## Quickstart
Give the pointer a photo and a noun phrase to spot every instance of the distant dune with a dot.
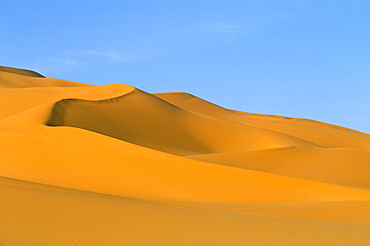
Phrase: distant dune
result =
(114, 165)
(24, 72)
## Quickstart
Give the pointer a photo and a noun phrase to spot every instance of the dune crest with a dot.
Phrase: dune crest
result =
(114, 165)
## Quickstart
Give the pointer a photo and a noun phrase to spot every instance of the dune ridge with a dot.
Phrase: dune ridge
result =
(114, 165)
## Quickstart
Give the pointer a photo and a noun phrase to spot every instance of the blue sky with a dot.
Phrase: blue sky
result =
(297, 58)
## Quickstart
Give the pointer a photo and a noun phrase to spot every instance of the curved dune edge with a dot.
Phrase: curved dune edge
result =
(115, 165)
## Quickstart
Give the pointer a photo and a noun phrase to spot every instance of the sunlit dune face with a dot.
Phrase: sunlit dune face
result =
(114, 165)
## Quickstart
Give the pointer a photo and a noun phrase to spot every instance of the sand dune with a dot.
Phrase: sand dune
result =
(114, 165)
(328, 136)
(24, 72)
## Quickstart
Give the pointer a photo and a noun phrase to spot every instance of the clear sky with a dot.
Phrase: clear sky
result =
(297, 58)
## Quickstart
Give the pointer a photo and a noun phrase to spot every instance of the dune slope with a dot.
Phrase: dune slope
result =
(114, 165)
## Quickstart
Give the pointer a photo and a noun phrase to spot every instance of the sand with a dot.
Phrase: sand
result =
(114, 165)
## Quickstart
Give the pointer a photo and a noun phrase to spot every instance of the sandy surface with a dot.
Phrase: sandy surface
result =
(114, 165)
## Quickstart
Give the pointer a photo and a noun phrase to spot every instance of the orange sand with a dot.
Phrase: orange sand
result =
(114, 165)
